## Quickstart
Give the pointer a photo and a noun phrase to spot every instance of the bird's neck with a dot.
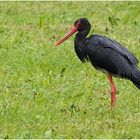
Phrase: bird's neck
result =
(79, 45)
(79, 38)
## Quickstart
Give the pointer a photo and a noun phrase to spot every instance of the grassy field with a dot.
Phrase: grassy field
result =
(47, 92)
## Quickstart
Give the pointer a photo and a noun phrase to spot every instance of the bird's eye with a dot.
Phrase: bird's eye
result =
(78, 24)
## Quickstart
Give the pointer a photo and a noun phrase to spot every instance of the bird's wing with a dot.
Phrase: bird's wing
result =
(109, 55)
(112, 44)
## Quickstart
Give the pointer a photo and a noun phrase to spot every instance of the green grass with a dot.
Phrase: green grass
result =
(47, 92)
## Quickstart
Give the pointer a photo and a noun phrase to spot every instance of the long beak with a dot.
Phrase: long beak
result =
(70, 33)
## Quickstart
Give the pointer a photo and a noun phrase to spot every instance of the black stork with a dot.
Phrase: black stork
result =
(104, 54)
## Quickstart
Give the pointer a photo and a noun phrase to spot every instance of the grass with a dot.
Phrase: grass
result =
(47, 92)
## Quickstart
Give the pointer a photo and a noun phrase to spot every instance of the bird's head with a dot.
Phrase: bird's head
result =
(80, 25)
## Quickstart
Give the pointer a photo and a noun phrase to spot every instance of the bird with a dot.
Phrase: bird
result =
(104, 54)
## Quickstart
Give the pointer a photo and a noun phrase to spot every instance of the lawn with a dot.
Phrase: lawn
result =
(47, 92)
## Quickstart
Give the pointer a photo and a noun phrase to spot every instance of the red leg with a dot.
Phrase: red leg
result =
(113, 90)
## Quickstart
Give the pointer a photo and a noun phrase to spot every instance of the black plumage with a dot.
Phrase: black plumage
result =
(105, 54)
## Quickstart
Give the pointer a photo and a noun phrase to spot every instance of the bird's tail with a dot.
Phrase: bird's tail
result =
(135, 77)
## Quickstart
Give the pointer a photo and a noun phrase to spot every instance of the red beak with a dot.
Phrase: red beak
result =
(70, 33)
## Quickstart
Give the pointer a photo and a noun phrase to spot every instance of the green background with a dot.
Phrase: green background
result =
(47, 92)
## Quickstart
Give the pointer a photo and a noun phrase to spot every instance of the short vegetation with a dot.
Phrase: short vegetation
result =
(47, 92)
